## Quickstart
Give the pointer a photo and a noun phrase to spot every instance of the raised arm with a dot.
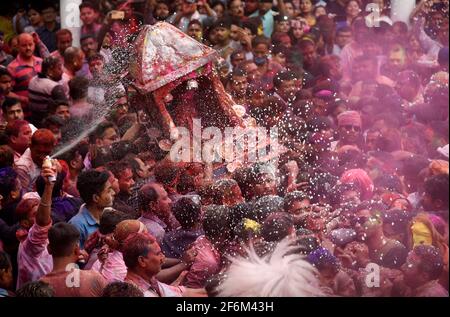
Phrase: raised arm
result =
(44, 210)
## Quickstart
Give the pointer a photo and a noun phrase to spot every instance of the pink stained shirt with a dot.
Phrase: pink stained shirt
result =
(113, 269)
(33, 259)
(146, 288)
(206, 264)
(76, 283)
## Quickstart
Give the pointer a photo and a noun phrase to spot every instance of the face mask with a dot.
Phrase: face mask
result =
(260, 60)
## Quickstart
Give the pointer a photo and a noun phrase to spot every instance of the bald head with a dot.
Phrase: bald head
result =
(26, 46)
(73, 58)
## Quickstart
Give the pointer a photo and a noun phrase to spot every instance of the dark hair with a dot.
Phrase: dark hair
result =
(187, 211)
(78, 87)
(304, 43)
(88, 4)
(239, 212)
(57, 187)
(398, 218)
(293, 197)
(343, 29)
(195, 21)
(70, 155)
(220, 187)
(121, 289)
(437, 187)
(52, 120)
(223, 22)
(48, 63)
(6, 156)
(442, 56)
(8, 103)
(118, 167)
(241, 176)
(47, 5)
(8, 178)
(216, 222)
(166, 173)
(319, 123)
(62, 237)
(186, 184)
(307, 243)
(280, 49)
(282, 76)
(95, 57)
(265, 206)
(276, 226)
(5, 261)
(322, 259)
(259, 39)
(252, 25)
(431, 261)
(389, 182)
(109, 220)
(100, 130)
(54, 104)
(88, 36)
(36, 289)
(5, 72)
(271, 106)
(91, 183)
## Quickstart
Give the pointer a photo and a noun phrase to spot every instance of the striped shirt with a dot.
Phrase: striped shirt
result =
(42, 91)
(22, 73)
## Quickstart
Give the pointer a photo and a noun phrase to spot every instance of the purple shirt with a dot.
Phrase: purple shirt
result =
(155, 226)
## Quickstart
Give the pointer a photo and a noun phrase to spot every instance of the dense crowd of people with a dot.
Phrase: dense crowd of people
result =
(357, 206)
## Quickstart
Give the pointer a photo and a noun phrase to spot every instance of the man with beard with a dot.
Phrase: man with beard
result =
(45, 88)
(224, 43)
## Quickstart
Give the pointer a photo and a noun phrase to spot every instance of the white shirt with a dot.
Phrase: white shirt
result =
(27, 171)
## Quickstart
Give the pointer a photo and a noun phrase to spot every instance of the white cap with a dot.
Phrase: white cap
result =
(443, 150)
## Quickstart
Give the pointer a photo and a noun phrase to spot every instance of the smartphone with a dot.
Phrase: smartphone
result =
(117, 15)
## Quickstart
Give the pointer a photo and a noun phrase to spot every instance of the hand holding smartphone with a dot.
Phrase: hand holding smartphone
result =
(117, 15)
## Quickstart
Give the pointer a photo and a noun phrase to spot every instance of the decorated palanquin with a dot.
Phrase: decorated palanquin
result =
(175, 80)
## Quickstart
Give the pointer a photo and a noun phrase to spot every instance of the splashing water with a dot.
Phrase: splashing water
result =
(100, 91)
(71, 144)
